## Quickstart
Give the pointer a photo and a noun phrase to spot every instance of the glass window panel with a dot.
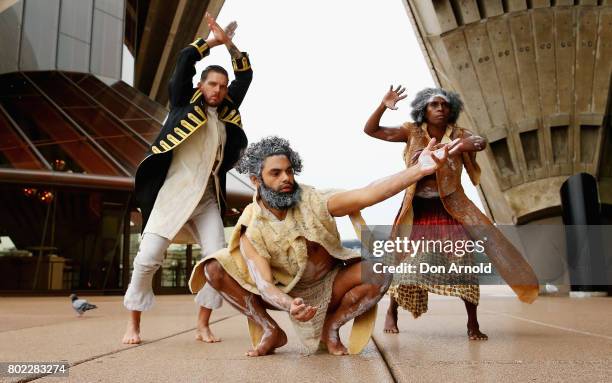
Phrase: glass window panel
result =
(124, 146)
(60, 90)
(116, 139)
(155, 110)
(14, 151)
(174, 267)
(45, 127)
(107, 97)
(76, 76)
(57, 139)
(88, 83)
(148, 129)
(82, 249)
(120, 107)
(55, 153)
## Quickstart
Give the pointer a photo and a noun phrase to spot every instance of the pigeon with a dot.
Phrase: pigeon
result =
(81, 305)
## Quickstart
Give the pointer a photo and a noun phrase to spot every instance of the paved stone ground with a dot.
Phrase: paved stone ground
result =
(555, 339)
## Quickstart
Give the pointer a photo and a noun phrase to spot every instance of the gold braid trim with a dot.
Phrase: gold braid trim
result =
(201, 46)
(173, 141)
(197, 94)
(241, 64)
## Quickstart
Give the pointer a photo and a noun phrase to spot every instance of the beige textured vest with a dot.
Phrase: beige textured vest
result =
(283, 243)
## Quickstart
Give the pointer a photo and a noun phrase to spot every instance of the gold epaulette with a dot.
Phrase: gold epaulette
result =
(202, 47)
(241, 64)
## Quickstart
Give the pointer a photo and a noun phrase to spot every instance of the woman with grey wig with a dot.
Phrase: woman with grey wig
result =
(436, 208)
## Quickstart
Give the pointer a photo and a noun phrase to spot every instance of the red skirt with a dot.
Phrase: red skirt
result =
(432, 222)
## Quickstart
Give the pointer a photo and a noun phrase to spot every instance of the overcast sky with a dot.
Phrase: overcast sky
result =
(320, 69)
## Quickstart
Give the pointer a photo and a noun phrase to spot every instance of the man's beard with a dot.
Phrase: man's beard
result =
(279, 200)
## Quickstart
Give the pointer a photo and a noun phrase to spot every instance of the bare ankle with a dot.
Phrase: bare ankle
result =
(134, 319)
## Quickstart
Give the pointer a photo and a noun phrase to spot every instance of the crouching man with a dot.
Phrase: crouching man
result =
(285, 251)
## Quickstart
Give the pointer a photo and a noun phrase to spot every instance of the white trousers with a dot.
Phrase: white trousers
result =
(206, 227)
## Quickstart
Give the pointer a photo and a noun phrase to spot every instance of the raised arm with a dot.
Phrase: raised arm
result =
(430, 160)
(180, 87)
(240, 60)
(372, 127)
(260, 271)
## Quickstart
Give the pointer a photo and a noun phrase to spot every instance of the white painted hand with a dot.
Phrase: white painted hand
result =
(431, 158)
(301, 311)
(393, 96)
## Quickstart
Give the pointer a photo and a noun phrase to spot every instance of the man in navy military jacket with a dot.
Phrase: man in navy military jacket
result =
(180, 185)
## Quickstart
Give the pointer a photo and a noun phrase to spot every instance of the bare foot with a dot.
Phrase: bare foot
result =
(475, 334)
(272, 338)
(391, 322)
(132, 333)
(331, 338)
(204, 334)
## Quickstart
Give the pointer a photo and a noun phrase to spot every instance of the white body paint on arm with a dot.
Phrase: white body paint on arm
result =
(260, 271)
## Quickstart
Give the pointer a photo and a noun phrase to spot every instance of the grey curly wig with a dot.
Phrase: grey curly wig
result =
(419, 104)
(252, 161)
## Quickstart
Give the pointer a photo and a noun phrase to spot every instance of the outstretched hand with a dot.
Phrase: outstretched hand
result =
(393, 96)
(454, 147)
(301, 311)
(434, 156)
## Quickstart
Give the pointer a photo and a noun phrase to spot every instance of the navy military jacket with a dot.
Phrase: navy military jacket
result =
(187, 114)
